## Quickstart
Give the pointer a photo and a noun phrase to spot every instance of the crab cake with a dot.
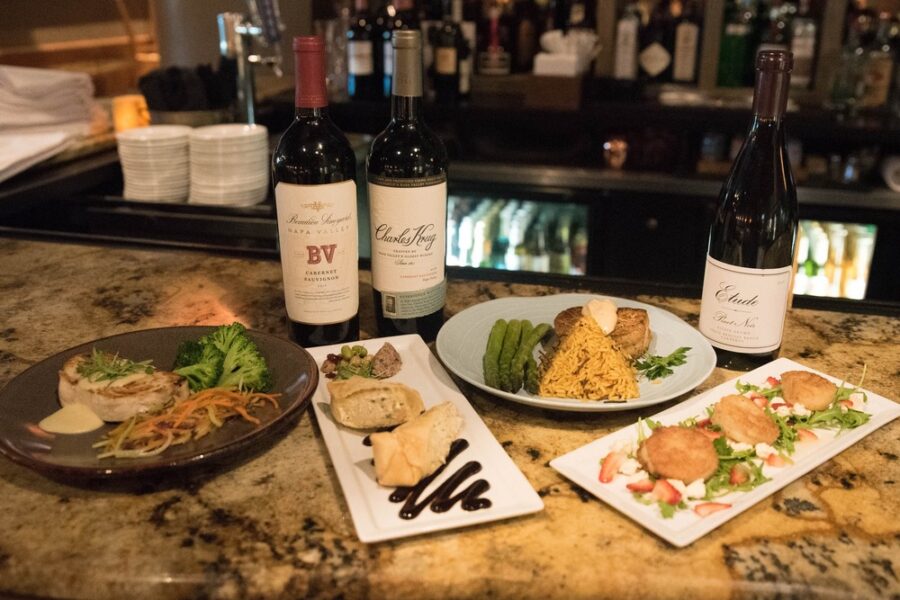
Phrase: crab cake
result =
(743, 421)
(810, 390)
(678, 453)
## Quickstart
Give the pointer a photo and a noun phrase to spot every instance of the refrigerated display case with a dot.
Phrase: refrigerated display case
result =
(834, 259)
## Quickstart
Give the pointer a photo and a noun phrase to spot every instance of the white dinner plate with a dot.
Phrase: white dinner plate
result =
(462, 340)
(375, 517)
(583, 465)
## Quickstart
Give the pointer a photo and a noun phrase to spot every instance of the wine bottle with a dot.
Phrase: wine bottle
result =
(657, 44)
(363, 82)
(314, 171)
(448, 45)
(687, 44)
(736, 47)
(626, 67)
(751, 241)
(407, 181)
(803, 46)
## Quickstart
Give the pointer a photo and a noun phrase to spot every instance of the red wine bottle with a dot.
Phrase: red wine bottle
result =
(751, 241)
(407, 181)
(363, 50)
(314, 170)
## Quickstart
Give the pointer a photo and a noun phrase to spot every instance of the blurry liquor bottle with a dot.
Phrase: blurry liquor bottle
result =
(879, 68)
(775, 26)
(495, 58)
(687, 43)
(627, 30)
(847, 81)
(657, 44)
(469, 27)
(363, 79)
(736, 48)
(384, 26)
(526, 29)
(449, 46)
(803, 46)
(580, 15)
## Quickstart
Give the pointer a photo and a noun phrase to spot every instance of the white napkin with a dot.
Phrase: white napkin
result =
(18, 151)
(43, 96)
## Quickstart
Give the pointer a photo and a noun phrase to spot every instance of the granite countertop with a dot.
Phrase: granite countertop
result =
(276, 525)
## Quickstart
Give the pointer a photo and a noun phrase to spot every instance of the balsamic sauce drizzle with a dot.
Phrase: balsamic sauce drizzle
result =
(442, 499)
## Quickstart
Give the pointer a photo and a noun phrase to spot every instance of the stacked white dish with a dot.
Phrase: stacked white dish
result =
(229, 164)
(155, 163)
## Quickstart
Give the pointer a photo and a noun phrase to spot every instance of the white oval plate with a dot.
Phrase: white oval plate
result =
(462, 340)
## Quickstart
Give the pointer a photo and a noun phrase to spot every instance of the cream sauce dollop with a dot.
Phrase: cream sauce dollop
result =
(603, 312)
(71, 419)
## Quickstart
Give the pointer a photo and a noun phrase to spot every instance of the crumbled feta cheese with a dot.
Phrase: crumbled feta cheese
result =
(800, 410)
(783, 411)
(678, 485)
(764, 450)
(776, 400)
(857, 398)
(844, 408)
(629, 466)
(625, 446)
(637, 476)
(696, 489)
(741, 446)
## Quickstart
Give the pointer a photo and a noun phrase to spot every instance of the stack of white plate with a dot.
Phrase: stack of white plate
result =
(155, 163)
(229, 164)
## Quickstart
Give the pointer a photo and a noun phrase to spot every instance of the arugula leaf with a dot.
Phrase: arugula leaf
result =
(667, 510)
(720, 482)
(786, 434)
(657, 367)
(834, 417)
(768, 392)
(103, 366)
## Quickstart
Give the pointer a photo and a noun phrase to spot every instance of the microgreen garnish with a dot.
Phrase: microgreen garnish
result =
(102, 366)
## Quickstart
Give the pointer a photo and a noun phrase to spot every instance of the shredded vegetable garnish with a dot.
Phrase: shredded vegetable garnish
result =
(190, 419)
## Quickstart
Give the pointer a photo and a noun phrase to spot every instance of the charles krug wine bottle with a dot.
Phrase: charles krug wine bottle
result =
(407, 182)
(751, 241)
(314, 171)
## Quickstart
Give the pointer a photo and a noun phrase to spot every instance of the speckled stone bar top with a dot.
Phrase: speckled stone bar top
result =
(275, 525)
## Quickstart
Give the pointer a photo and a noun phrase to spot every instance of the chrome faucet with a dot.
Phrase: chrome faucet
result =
(236, 34)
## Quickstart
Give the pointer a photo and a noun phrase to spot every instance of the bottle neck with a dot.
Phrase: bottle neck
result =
(406, 108)
(771, 95)
(311, 112)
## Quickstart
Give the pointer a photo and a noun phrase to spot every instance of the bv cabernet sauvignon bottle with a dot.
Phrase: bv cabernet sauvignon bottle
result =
(314, 172)
(751, 241)
(407, 180)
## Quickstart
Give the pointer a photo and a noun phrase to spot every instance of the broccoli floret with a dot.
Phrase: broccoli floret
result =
(244, 367)
(224, 337)
(189, 353)
(207, 368)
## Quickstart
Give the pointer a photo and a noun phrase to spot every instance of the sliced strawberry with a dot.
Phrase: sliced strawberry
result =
(847, 403)
(806, 435)
(703, 423)
(778, 405)
(776, 460)
(759, 400)
(713, 435)
(738, 475)
(707, 508)
(610, 466)
(665, 492)
(642, 487)
(773, 382)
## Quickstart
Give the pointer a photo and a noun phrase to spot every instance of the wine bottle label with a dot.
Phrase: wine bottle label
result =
(409, 225)
(445, 61)
(655, 59)
(359, 57)
(317, 233)
(742, 309)
(626, 49)
(388, 48)
(877, 77)
(686, 37)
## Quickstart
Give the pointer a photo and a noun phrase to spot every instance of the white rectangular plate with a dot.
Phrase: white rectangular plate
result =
(583, 465)
(375, 517)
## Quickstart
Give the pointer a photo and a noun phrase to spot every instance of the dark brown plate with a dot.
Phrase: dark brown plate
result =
(33, 395)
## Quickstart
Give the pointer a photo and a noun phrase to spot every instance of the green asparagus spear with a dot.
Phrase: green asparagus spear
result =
(516, 374)
(510, 345)
(531, 375)
(491, 360)
(526, 349)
